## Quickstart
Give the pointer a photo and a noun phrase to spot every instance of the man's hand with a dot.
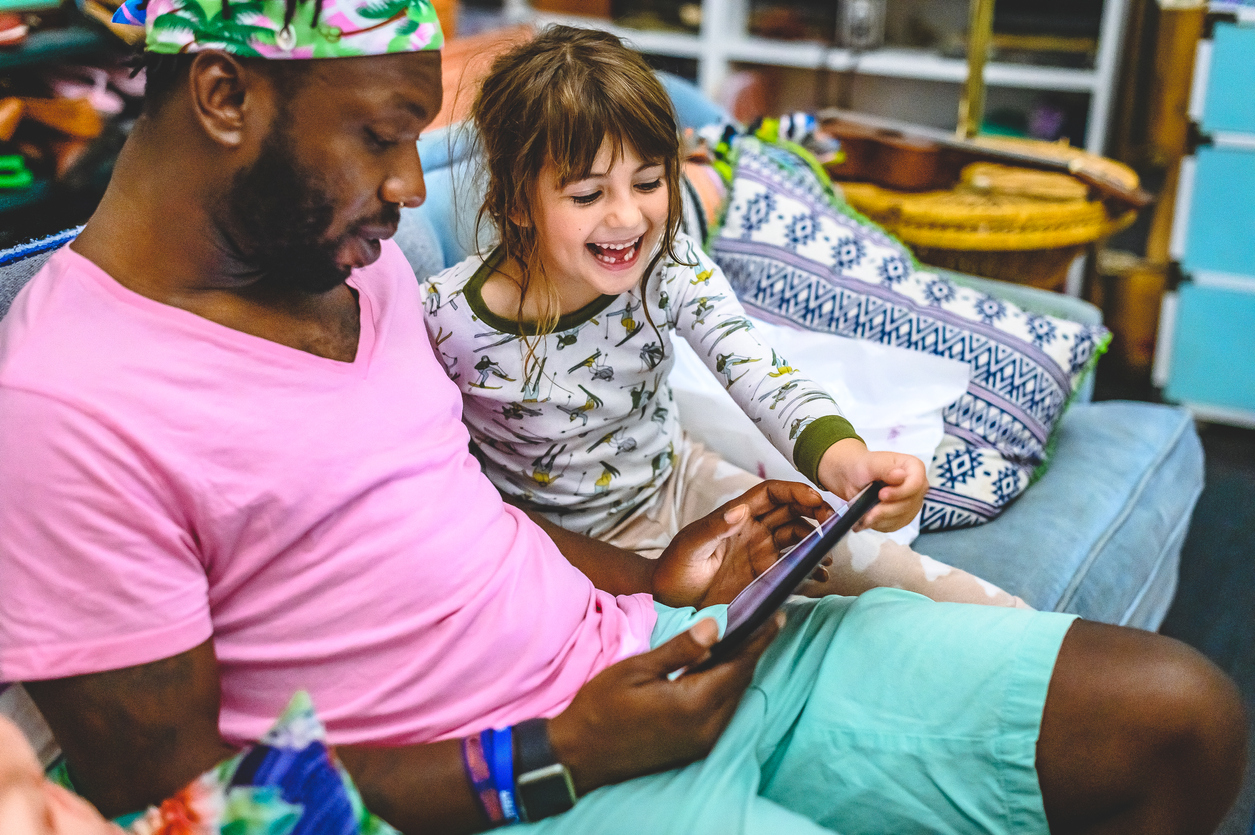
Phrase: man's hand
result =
(632, 719)
(847, 467)
(712, 559)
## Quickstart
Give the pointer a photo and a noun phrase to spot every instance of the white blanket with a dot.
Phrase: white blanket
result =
(893, 396)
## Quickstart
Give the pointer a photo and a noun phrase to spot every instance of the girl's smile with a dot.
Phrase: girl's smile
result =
(617, 256)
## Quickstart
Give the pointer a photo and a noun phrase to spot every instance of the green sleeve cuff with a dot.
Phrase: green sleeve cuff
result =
(814, 442)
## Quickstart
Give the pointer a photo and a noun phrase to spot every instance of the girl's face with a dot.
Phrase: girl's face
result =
(595, 236)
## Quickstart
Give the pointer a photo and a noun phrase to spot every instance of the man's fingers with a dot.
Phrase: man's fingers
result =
(684, 650)
(766, 497)
(736, 516)
(790, 514)
(786, 535)
(739, 668)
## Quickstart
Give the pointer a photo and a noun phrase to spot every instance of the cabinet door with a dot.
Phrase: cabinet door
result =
(1220, 235)
(1230, 104)
(1213, 349)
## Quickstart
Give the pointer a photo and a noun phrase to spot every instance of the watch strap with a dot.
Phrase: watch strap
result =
(544, 785)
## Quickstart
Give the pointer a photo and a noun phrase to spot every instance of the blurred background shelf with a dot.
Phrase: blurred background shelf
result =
(723, 45)
(52, 44)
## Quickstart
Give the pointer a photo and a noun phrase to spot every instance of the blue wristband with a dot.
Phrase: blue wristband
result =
(501, 761)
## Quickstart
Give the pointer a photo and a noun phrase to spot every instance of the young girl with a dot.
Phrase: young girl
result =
(560, 339)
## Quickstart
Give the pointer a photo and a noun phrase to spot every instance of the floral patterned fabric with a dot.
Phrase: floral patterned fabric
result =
(262, 29)
(289, 783)
(796, 254)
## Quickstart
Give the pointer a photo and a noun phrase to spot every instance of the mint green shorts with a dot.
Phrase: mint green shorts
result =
(885, 714)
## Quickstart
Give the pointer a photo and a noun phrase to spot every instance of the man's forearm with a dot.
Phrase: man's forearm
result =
(611, 569)
(416, 788)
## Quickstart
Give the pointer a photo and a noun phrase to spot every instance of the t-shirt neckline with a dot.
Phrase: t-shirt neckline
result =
(473, 292)
(236, 339)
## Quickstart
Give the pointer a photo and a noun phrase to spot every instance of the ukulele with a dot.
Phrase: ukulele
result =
(907, 157)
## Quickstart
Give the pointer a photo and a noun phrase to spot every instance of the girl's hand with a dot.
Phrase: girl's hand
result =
(30, 805)
(847, 467)
(711, 560)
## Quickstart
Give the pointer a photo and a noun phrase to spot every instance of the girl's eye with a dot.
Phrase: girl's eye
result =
(585, 199)
(653, 185)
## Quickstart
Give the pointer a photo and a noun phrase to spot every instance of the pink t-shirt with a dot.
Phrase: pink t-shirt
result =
(166, 479)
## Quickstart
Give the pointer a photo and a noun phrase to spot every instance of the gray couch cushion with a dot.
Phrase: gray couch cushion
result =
(18, 264)
(1100, 534)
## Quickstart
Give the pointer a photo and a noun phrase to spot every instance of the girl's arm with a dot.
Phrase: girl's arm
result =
(796, 414)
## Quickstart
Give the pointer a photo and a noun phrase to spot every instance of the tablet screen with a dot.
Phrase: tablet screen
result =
(756, 593)
(769, 590)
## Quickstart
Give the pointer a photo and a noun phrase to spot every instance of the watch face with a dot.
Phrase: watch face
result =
(546, 791)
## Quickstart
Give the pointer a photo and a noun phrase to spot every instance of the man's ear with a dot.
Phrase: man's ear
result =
(225, 96)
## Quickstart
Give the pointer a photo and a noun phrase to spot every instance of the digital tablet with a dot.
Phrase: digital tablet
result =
(767, 593)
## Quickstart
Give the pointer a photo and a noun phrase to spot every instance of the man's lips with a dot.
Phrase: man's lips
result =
(377, 231)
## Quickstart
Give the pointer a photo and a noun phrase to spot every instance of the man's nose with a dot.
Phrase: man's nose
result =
(405, 186)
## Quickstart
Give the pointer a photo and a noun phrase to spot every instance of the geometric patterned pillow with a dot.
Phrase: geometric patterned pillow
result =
(796, 254)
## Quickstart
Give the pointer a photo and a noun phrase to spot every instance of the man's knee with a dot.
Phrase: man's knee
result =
(1133, 717)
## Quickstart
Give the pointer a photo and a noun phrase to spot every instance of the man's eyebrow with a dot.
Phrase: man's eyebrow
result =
(413, 108)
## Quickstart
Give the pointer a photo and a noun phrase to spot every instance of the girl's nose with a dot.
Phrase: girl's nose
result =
(624, 212)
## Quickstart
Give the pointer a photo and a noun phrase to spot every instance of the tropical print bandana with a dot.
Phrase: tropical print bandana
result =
(288, 783)
(267, 29)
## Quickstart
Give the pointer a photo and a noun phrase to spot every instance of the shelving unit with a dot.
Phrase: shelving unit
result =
(723, 42)
(44, 207)
(70, 42)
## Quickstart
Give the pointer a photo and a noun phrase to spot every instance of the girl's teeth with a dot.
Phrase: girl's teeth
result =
(614, 253)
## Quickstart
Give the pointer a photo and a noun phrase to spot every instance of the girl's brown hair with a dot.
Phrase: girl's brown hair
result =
(559, 97)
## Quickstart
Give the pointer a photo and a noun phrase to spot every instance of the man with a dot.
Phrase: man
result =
(232, 468)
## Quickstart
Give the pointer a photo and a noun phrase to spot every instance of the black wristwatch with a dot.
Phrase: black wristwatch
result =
(543, 785)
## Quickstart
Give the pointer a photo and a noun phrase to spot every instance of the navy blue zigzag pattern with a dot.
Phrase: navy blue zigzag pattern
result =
(823, 305)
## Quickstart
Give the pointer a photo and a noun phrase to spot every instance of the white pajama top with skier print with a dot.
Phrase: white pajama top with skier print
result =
(586, 431)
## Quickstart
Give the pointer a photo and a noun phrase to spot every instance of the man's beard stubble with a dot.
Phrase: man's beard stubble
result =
(280, 220)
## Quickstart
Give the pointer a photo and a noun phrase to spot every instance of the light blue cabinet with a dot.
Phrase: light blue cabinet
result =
(1221, 218)
(1206, 354)
(1213, 354)
(1230, 102)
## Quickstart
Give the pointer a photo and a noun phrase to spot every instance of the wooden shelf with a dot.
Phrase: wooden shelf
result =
(673, 44)
(921, 64)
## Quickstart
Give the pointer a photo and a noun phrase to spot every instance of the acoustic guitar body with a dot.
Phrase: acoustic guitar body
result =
(891, 159)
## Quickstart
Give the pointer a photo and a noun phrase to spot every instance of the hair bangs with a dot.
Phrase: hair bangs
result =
(608, 108)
